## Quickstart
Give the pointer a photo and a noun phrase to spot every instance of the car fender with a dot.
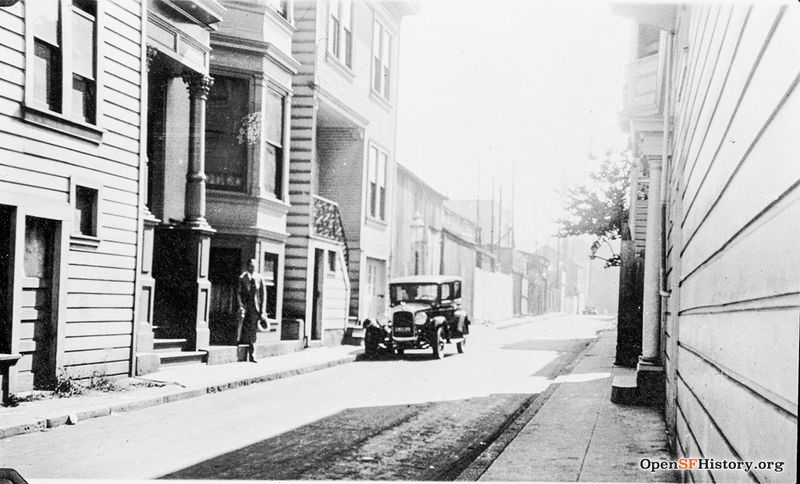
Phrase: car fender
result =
(461, 320)
(438, 321)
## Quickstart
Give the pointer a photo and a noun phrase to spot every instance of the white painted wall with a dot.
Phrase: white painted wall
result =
(493, 296)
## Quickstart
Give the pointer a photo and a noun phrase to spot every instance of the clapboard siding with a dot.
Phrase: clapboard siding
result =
(733, 332)
(39, 162)
(773, 154)
(300, 162)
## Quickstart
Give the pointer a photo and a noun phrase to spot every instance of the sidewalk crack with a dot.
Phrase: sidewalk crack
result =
(589, 442)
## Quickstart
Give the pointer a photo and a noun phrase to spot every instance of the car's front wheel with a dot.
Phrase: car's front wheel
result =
(438, 343)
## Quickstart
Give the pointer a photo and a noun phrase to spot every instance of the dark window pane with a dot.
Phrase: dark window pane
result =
(85, 211)
(331, 261)
(373, 195)
(270, 274)
(47, 75)
(226, 156)
(273, 170)
(83, 99)
(382, 204)
(335, 34)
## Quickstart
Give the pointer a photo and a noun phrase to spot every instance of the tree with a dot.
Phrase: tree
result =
(600, 208)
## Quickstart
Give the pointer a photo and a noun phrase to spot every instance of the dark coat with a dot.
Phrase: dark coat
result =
(252, 298)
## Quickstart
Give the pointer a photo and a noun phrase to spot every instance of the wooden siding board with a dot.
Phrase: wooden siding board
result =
(750, 191)
(99, 369)
(729, 432)
(755, 36)
(71, 358)
(768, 92)
(96, 342)
(760, 346)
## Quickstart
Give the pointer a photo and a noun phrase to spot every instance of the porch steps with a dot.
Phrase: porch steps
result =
(175, 358)
(164, 345)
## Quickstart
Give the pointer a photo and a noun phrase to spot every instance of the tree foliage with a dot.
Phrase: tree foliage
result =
(600, 208)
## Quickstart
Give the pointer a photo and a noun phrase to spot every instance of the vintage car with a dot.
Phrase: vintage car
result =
(424, 312)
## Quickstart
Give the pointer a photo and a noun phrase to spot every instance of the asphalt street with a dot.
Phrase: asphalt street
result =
(410, 419)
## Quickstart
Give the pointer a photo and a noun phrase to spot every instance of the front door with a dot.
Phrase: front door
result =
(319, 280)
(37, 336)
(6, 279)
(376, 288)
(224, 269)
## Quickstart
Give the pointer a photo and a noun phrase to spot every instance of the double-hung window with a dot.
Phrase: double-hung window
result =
(62, 74)
(340, 31)
(381, 60)
(378, 160)
(273, 116)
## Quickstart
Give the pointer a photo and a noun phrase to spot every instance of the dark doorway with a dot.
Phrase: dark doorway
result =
(319, 280)
(225, 267)
(6, 276)
(37, 326)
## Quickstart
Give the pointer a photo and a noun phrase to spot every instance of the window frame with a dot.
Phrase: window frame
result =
(340, 33)
(382, 56)
(279, 190)
(77, 239)
(247, 149)
(65, 121)
(377, 200)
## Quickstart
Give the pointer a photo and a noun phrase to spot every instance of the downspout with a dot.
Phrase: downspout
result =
(666, 162)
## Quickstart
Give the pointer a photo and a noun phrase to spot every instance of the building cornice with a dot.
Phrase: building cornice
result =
(257, 47)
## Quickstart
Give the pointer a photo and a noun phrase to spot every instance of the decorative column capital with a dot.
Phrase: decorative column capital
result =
(152, 52)
(199, 85)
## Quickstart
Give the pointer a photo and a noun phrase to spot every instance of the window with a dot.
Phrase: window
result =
(269, 272)
(378, 161)
(272, 177)
(63, 69)
(85, 222)
(340, 31)
(381, 60)
(280, 6)
(446, 295)
(331, 261)
(226, 157)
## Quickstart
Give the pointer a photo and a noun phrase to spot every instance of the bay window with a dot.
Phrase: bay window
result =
(226, 155)
(272, 178)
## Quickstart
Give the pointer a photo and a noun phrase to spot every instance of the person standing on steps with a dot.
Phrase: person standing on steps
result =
(252, 298)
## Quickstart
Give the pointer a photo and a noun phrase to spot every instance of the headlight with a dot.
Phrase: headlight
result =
(420, 319)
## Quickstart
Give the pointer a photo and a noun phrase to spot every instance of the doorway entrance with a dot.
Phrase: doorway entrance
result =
(37, 331)
(376, 287)
(6, 277)
(316, 304)
(224, 268)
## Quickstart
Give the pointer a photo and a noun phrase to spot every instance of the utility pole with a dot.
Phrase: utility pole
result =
(513, 200)
(478, 227)
(491, 231)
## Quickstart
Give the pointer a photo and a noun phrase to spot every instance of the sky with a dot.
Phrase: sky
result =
(510, 89)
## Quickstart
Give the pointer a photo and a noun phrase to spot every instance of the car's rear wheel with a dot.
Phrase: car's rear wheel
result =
(438, 344)
(461, 344)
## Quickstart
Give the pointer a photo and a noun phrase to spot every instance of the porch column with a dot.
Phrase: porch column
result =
(196, 232)
(199, 86)
(651, 307)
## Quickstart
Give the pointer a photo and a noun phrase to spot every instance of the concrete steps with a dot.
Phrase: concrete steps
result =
(176, 358)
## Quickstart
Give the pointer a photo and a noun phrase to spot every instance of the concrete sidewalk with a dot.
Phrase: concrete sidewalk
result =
(578, 434)
(168, 385)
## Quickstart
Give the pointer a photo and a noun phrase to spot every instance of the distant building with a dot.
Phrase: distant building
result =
(711, 104)
(417, 226)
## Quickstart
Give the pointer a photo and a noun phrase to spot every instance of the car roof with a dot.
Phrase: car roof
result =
(430, 279)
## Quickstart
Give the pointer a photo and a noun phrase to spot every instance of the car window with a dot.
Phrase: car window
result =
(456, 290)
(445, 291)
(412, 292)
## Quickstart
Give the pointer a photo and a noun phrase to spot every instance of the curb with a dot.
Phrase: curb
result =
(184, 394)
(514, 425)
